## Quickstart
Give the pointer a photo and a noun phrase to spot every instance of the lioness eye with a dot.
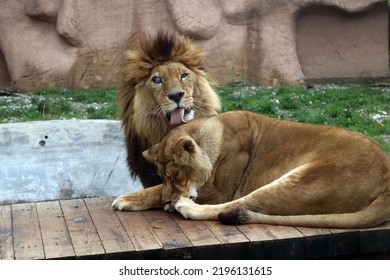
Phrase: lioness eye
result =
(183, 76)
(171, 176)
(156, 80)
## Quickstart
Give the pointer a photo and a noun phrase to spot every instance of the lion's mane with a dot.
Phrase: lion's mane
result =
(141, 131)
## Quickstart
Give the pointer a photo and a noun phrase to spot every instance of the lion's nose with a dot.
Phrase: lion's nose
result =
(176, 96)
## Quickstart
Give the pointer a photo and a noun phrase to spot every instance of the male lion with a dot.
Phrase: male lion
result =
(240, 167)
(163, 86)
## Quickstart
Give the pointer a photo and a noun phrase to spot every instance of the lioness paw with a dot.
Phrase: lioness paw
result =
(186, 207)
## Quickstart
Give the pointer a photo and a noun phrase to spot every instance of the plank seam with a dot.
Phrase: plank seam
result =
(94, 225)
(67, 228)
(40, 230)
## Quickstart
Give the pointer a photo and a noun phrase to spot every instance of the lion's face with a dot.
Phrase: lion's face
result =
(172, 85)
(183, 166)
(171, 88)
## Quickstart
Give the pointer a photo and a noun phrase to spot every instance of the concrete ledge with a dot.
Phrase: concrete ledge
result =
(62, 159)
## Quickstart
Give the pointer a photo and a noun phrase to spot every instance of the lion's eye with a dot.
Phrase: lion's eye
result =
(156, 80)
(184, 76)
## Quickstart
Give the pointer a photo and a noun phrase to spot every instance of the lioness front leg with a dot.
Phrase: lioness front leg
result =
(191, 210)
(142, 200)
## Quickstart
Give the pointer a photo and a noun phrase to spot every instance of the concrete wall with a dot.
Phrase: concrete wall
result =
(63, 159)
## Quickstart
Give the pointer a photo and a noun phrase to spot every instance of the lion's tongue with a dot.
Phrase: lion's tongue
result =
(177, 117)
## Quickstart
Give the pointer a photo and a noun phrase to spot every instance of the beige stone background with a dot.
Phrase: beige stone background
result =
(80, 43)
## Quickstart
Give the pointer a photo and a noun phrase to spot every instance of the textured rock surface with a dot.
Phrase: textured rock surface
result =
(79, 43)
(62, 159)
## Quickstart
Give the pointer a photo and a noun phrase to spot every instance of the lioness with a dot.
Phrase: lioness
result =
(163, 85)
(241, 167)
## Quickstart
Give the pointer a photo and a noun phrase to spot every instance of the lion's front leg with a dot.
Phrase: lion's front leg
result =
(193, 211)
(142, 200)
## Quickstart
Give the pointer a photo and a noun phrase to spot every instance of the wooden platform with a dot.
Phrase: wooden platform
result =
(89, 228)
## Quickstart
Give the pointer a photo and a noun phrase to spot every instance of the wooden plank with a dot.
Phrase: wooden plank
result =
(375, 240)
(196, 231)
(110, 230)
(343, 230)
(257, 232)
(306, 231)
(264, 244)
(26, 231)
(167, 231)
(234, 243)
(86, 241)
(45, 230)
(284, 232)
(139, 231)
(291, 242)
(319, 242)
(226, 233)
(345, 242)
(6, 241)
(55, 235)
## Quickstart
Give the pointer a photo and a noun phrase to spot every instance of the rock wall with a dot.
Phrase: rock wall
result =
(80, 43)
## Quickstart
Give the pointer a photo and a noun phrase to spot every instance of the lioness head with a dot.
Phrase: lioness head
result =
(182, 164)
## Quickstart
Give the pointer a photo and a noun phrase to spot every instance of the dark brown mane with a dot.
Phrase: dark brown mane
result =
(160, 49)
(138, 65)
(155, 51)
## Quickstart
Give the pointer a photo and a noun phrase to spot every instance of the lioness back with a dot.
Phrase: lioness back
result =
(268, 167)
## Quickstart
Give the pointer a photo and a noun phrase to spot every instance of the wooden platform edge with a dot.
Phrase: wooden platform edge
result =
(89, 229)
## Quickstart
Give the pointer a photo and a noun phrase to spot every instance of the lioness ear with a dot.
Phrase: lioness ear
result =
(184, 150)
(151, 154)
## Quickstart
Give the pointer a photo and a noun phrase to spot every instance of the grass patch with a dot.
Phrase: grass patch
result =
(49, 104)
(360, 109)
(363, 109)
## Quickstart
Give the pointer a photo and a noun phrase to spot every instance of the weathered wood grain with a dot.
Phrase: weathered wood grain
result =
(226, 233)
(26, 232)
(111, 232)
(6, 239)
(139, 231)
(89, 228)
(167, 231)
(85, 239)
(257, 232)
(196, 231)
(55, 235)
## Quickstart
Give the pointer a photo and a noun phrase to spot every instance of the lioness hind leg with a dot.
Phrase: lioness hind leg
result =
(141, 200)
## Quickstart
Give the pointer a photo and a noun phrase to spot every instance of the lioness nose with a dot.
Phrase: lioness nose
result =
(176, 96)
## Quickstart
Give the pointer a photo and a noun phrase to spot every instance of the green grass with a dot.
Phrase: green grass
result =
(363, 109)
(51, 104)
(366, 110)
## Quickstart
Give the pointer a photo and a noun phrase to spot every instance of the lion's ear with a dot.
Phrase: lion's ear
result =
(151, 154)
(185, 149)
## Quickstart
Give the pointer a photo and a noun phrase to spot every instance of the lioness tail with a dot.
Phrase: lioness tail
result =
(376, 213)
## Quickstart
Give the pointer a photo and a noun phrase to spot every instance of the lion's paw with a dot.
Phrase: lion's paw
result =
(127, 203)
(187, 208)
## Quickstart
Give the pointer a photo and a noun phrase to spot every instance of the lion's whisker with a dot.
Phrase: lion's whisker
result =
(199, 107)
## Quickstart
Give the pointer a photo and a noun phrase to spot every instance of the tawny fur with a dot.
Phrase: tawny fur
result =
(143, 105)
(241, 167)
